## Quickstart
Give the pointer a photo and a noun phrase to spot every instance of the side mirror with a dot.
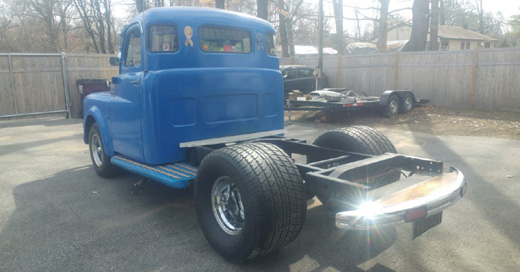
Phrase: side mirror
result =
(114, 61)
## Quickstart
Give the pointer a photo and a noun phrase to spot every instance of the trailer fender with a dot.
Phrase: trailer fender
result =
(94, 115)
(400, 94)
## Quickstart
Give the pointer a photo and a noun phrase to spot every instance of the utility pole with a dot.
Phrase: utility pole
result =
(320, 41)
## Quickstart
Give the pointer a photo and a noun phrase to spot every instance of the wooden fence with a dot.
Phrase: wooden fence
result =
(46, 83)
(481, 78)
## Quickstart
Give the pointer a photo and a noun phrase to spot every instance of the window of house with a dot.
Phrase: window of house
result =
(163, 39)
(468, 45)
(487, 45)
(133, 49)
(462, 44)
(445, 45)
(224, 40)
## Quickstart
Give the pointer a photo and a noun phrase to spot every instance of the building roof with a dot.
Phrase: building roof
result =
(459, 33)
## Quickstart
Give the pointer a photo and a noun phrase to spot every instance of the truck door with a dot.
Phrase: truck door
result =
(125, 110)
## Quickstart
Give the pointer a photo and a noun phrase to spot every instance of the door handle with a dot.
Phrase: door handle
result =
(134, 82)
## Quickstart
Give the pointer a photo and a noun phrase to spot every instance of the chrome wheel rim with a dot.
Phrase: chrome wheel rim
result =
(227, 205)
(408, 103)
(96, 148)
(394, 106)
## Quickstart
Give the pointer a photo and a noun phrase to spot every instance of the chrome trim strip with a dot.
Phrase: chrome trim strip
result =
(236, 138)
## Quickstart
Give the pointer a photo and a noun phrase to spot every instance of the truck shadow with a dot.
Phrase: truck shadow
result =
(75, 220)
(321, 245)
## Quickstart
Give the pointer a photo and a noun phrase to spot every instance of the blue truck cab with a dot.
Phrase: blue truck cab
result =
(187, 75)
(198, 101)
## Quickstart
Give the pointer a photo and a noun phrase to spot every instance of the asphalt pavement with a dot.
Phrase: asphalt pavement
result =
(56, 214)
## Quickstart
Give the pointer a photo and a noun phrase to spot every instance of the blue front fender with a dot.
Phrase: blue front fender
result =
(94, 115)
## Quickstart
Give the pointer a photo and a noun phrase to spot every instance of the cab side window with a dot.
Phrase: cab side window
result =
(270, 47)
(133, 49)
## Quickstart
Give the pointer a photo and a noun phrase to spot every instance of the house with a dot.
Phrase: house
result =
(450, 37)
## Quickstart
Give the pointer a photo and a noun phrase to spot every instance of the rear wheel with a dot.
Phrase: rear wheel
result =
(100, 160)
(250, 200)
(406, 103)
(358, 139)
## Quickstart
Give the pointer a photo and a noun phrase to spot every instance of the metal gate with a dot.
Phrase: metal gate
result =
(33, 84)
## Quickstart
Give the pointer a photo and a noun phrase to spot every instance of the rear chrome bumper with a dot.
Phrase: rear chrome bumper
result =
(435, 194)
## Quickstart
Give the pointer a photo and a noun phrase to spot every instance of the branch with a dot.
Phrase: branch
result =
(397, 10)
(354, 7)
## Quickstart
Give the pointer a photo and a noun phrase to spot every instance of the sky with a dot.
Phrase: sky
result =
(507, 7)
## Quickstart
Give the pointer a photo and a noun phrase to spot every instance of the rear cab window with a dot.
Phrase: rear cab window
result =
(162, 38)
(224, 40)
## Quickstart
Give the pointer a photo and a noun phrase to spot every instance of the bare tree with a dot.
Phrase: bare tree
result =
(53, 16)
(96, 18)
(434, 26)
(383, 26)
(420, 20)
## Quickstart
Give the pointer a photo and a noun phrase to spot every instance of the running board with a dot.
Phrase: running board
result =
(176, 175)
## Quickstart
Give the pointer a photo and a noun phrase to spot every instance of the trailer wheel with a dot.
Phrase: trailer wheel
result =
(250, 200)
(100, 160)
(359, 139)
(406, 103)
(392, 106)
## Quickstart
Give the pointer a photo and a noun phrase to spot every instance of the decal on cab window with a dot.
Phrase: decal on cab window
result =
(259, 38)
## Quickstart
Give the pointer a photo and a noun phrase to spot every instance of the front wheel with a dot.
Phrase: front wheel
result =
(250, 200)
(392, 106)
(100, 160)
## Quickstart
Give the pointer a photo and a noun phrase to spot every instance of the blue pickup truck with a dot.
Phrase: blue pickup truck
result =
(198, 101)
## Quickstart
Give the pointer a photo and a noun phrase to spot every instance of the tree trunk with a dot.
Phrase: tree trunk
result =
(338, 16)
(421, 20)
(283, 31)
(443, 16)
(100, 22)
(434, 27)
(358, 26)
(480, 11)
(383, 27)
(262, 9)
(108, 19)
(220, 4)
(290, 36)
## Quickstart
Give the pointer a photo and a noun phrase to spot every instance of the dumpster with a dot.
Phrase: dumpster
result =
(88, 86)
